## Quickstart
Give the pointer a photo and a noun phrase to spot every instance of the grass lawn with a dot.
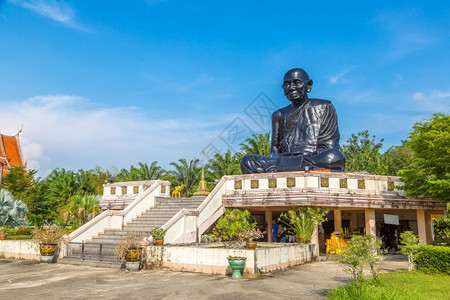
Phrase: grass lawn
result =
(399, 285)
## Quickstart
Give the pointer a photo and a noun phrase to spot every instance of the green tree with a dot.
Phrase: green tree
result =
(409, 247)
(257, 143)
(303, 220)
(362, 153)
(142, 172)
(187, 173)
(429, 173)
(226, 164)
(20, 182)
(398, 157)
(82, 208)
(359, 252)
(232, 223)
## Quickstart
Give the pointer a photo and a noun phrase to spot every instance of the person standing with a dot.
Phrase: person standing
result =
(274, 231)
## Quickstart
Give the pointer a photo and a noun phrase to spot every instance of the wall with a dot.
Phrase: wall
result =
(19, 249)
(212, 258)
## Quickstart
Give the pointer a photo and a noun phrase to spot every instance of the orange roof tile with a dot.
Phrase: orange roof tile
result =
(10, 152)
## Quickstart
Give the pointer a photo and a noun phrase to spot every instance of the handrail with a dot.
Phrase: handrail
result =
(199, 209)
(123, 213)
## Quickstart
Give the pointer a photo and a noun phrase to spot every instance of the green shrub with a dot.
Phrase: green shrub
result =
(433, 259)
(442, 231)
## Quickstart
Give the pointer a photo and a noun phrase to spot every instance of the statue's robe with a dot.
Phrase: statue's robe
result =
(306, 135)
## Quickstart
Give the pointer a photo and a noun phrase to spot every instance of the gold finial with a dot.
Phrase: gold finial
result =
(21, 128)
(202, 189)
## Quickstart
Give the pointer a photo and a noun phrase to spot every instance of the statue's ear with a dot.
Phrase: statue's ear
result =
(310, 84)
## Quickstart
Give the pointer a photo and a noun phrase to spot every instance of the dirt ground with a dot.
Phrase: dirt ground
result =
(21, 279)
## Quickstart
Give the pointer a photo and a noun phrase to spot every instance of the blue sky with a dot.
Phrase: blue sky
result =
(113, 83)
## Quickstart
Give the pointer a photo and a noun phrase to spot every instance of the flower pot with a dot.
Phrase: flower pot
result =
(236, 264)
(2, 236)
(47, 252)
(133, 255)
(133, 259)
(251, 245)
(159, 242)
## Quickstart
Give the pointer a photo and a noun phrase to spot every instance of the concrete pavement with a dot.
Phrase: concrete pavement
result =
(20, 279)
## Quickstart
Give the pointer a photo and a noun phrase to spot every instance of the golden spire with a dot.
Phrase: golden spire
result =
(202, 189)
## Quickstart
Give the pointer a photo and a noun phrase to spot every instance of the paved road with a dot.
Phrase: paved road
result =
(30, 280)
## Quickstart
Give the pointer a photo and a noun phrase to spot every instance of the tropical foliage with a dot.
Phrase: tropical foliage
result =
(142, 172)
(231, 225)
(12, 211)
(303, 221)
(257, 143)
(226, 164)
(429, 173)
(360, 252)
(409, 246)
(362, 153)
(188, 173)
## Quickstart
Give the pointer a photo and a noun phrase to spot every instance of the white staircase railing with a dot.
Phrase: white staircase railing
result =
(113, 219)
(188, 225)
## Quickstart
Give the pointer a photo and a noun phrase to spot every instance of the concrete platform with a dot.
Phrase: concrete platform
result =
(21, 279)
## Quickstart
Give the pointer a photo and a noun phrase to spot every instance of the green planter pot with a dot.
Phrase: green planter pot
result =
(236, 264)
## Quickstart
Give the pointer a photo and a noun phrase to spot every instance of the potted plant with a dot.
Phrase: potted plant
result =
(3, 232)
(158, 234)
(251, 236)
(303, 220)
(48, 240)
(236, 263)
(130, 250)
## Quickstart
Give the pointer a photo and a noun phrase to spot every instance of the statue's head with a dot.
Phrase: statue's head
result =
(296, 85)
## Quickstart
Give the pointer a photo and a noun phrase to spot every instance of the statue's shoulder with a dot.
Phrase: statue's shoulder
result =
(281, 111)
(319, 102)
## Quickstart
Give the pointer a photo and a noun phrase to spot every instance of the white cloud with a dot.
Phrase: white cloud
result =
(58, 11)
(73, 132)
(434, 101)
(339, 76)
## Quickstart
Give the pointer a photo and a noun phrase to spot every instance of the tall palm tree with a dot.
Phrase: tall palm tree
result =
(187, 173)
(142, 172)
(61, 186)
(257, 143)
(226, 164)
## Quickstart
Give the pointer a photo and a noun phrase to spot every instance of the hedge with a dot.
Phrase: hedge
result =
(433, 259)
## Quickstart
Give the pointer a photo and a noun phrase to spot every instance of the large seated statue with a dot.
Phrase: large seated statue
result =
(305, 134)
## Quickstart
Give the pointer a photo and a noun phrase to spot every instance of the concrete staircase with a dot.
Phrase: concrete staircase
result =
(165, 209)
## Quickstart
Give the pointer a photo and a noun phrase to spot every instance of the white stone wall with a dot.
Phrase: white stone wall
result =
(19, 249)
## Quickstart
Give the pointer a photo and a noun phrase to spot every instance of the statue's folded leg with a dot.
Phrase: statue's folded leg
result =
(257, 164)
(332, 159)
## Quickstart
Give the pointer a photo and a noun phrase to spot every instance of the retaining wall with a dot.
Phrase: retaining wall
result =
(19, 249)
(213, 258)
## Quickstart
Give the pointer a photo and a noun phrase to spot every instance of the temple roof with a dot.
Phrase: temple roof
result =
(10, 152)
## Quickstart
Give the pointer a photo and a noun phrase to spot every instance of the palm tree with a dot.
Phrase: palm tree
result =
(62, 185)
(83, 207)
(227, 164)
(257, 144)
(142, 172)
(187, 173)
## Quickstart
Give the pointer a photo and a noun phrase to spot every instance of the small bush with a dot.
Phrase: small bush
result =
(433, 259)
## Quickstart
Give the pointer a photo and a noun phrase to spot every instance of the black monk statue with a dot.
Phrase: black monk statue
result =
(305, 134)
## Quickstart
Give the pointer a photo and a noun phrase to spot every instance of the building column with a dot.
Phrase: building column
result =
(353, 221)
(269, 224)
(422, 226)
(371, 227)
(315, 236)
(337, 219)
